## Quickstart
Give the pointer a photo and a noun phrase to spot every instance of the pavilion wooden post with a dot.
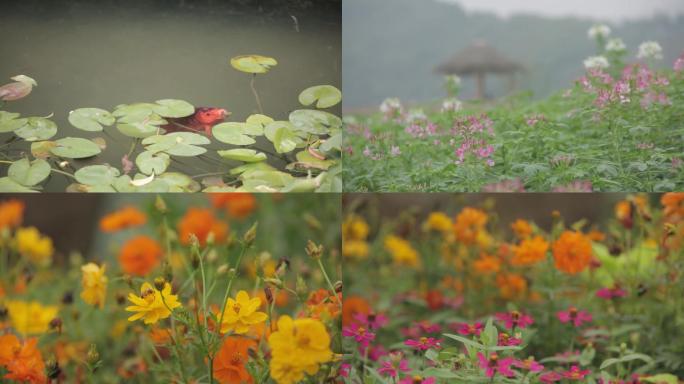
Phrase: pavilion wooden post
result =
(480, 78)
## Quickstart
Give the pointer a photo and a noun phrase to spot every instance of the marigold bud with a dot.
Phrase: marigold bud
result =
(250, 235)
(313, 250)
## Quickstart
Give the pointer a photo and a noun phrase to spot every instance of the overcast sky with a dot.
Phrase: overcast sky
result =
(610, 10)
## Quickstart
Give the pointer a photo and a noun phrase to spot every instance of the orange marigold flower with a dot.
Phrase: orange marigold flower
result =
(672, 202)
(521, 228)
(468, 225)
(353, 305)
(487, 264)
(434, 299)
(231, 360)
(322, 305)
(572, 252)
(140, 255)
(11, 213)
(23, 361)
(201, 222)
(238, 204)
(596, 235)
(126, 217)
(530, 251)
(511, 285)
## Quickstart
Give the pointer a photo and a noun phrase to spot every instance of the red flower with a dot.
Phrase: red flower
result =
(424, 343)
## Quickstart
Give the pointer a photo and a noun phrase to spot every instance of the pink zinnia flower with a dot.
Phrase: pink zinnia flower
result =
(344, 369)
(550, 377)
(514, 319)
(576, 317)
(506, 340)
(575, 373)
(424, 343)
(372, 320)
(394, 366)
(494, 365)
(611, 293)
(360, 334)
(470, 329)
(417, 380)
(529, 364)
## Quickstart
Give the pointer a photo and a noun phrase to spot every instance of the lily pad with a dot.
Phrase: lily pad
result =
(29, 173)
(149, 162)
(75, 148)
(307, 160)
(243, 154)
(37, 128)
(253, 63)
(232, 133)
(255, 124)
(252, 167)
(137, 109)
(41, 149)
(316, 122)
(267, 178)
(97, 175)
(325, 96)
(333, 142)
(125, 184)
(138, 130)
(177, 144)
(281, 134)
(9, 121)
(9, 185)
(179, 182)
(174, 108)
(90, 119)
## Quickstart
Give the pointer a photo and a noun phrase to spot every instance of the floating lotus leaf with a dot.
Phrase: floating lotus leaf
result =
(252, 167)
(173, 108)
(37, 128)
(149, 162)
(9, 185)
(253, 63)
(179, 182)
(268, 178)
(137, 109)
(332, 181)
(29, 173)
(304, 184)
(333, 142)
(243, 154)
(125, 184)
(232, 133)
(255, 124)
(307, 160)
(316, 122)
(97, 175)
(138, 130)
(325, 96)
(41, 149)
(281, 134)
(90, 119)
(9, 122)
(177, 144)
(219, 189)
(75, 148)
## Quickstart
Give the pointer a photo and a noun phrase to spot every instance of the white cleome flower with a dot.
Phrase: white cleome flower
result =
(416, 115)
(390, 105)
(615, 45)
(650, 50)
(451, 105)
(599, 30)
(596, 62)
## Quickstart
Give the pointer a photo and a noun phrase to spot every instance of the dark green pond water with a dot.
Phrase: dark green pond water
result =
(101, 54)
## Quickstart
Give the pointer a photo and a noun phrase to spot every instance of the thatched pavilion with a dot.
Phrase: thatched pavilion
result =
(478, 60)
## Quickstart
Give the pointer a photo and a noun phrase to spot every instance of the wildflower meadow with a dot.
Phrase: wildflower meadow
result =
(616, 128)
(454, 290)
(227, 288)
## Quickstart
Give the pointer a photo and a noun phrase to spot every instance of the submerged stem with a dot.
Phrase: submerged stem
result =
(256, 95)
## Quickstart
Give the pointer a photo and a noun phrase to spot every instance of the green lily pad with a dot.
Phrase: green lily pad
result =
(97, 175)
(9, 185)
(307, 160)
(125, 184)
(316, 122)
(273, 179)
(333, 142)
(304, 184)
(9, 121)
(75, 148)
(29, 173)
(232, 133)
(179, 182)
(325, 96)
(253, 63)
(138, 130)
(252, 167)
(281, 134)
(254, 125)
(137, 109)
(173, 108)
(90, 119)
(149, 162)
(243, 154)
(37, 128)
(177, 144)
(41, 149)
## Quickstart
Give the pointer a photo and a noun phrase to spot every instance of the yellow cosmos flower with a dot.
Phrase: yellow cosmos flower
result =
(34, 246)
(30, 318)
(152, 305)
(438, 221)
(354, 228)
(355, 249)
(241, 314)
(298, 346)
(402, 252)
(94, 284)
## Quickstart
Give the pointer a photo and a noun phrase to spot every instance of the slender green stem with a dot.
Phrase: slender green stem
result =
(330, 284)
(256, 95)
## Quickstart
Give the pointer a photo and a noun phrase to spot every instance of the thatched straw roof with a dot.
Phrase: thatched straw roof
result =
(479, 57)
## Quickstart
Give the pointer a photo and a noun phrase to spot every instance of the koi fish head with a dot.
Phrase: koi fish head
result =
(210, 116)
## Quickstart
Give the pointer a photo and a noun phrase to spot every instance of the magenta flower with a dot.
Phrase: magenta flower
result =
(575, 373)
(574, 316)
(395, 151)
(419, 328)
(394, 366)
(360, 334)
(494, 365)
(679, 64)
(417, 380)
(514, 319)
(424, 343)
(506, 340)
(470, 329)
(550, 377)
(611, 293)
(345, 368)
(371, 320)
(529, 364)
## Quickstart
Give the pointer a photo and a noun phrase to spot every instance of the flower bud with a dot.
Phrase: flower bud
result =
(56, 324)
(52, 369)
(283, 266)
(194, 258)
(314, 251)
(275, 282)
(301, 288)
(167, 271)
(3, 313)
(159, 283)
(93, 356)
(222, 269)
(210, 239)
(250, 235)
(269, 294)
(160, 205)
(338, 286)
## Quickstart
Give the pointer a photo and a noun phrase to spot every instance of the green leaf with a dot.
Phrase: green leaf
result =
(232, 133)
(177, 144)
(74, 148)
(242, 154)
(253, 63)
(333, 142)
(280, 133)
(124, 184)
(9, 122)
(9, 185)
(90, 119)
(179, 182)
(149, 162)
(173, 108)
(37, 128)
(251, 167)
(97, 175)
(29, 173)
(316, 122)
(326, 95)
(138, 130)
(307, 160)
(465, 341)
(662, 378)
(268, 178)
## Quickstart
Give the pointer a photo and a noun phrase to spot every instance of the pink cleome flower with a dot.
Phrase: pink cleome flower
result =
(611, 293)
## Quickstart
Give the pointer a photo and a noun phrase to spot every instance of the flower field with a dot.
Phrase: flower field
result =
(229, 288)
(471, 294)
(617, 128)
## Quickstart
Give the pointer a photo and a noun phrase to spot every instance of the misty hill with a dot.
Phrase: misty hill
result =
(390, 47)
